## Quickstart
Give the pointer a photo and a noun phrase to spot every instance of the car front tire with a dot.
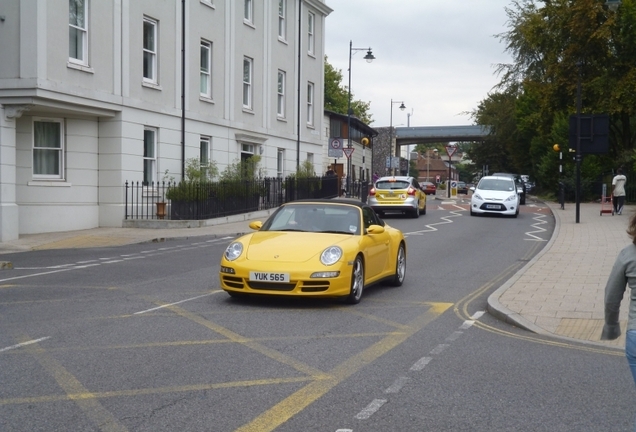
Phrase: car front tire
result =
(400, 267)
(357, 281)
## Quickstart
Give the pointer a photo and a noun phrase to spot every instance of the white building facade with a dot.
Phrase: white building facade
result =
(91, 96)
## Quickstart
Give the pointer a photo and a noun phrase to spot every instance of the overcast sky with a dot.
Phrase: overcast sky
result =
(438, 57)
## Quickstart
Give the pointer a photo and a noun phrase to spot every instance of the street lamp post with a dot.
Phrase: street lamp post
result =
(402, 107)
(369, 58)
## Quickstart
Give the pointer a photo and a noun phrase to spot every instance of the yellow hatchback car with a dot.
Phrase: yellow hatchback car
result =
(397, 194)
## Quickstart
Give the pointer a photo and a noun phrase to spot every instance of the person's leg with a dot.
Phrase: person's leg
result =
(630, 353)
(615, 203)
(621, 202)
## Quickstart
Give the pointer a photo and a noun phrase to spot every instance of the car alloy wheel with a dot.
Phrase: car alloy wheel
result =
(357, 281)
(400, 267)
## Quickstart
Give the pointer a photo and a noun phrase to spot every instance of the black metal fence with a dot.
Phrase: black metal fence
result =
(208, 200)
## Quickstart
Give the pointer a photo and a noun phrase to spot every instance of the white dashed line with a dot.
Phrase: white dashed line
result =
(20, 345)
(467, 324)
(421, 363)
(439, 349)
(397, 385)
(454, 336)
(478, 315)
(176, 303)
(371, 409)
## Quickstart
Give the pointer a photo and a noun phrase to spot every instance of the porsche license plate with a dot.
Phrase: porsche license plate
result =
(269, 277)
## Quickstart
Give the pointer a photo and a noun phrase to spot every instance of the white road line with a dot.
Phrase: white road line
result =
(344, 430)
(421, 363)
(431, 227)
(454, 336)
(397, 385)
(371, 409)
(478, 315)
(37, 274)
(467, 324)
(539, 218)
(176, 303)
(439, 348)
(24, 344)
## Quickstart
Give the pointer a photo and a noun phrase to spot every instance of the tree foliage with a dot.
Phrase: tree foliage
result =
(555, 45)
(336, 96)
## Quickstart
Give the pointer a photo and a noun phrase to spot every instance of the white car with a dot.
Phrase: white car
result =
(495, 195)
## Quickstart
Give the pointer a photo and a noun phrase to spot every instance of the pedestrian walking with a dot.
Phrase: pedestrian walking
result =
(618, 191)
(623, 274)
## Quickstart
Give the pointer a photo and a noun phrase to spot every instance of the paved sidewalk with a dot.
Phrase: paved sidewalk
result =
(560, 292)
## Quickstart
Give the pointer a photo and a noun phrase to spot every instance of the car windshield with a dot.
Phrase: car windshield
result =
(315, 217)
(496, 185)
(391, 185)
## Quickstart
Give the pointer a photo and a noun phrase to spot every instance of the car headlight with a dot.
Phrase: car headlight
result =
(331, 255)
(477, 196)
(512, 198)
(233, 251)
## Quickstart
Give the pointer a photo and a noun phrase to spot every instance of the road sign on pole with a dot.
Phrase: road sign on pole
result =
(348, 151)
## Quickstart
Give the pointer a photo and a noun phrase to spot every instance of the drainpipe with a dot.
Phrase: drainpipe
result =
(183, 69)
(300, 16)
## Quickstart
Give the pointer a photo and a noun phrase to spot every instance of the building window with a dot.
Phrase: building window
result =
(280, 163)
(150, 50)
(206, 70)
(150, 156)
(78, 31)
(48, 148)
(310, 158)
(310, 33)
(248, 14)
(310, 104)
(247, 82)
(204, 154)
(280, 110)
(282, 24)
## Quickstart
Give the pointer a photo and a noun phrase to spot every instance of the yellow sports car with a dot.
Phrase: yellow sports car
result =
(315, 248)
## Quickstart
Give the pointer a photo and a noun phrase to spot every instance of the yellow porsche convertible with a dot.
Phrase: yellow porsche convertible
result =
(315, 248)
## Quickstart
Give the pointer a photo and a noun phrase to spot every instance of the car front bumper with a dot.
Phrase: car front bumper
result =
(493, 207)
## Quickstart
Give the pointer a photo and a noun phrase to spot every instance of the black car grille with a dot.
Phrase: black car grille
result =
(318, 286)
(233, 282)
(269, 286)
(493, 207)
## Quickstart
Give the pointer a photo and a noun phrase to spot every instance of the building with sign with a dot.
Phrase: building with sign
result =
(337, 145)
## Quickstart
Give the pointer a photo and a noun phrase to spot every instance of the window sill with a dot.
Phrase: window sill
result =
(206, 99)
(80, 67)
(151, 85)
(282, 40)
(49, 183)
(312, 55)
(207, 3)
(281, 119)
(248, 110)
(249, 24)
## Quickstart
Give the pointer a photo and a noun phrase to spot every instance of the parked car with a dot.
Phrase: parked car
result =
(495, 195)
(397, 194)
(315, 248)
(429, 188)
(462, 188)
(521, 185)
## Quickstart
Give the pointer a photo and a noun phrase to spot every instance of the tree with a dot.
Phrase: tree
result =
(336, 96)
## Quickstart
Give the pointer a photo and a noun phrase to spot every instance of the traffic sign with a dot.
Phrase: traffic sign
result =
(450, 150)
(335, 148)
(348, 151)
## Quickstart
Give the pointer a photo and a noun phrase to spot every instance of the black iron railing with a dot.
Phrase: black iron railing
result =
(208, 200)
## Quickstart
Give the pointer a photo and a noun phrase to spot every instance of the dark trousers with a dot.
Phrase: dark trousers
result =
(618, 202)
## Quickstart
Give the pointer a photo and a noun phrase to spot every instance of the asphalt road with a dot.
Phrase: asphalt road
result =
(139, 338)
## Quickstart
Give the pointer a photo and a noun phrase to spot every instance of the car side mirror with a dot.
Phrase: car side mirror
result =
(256, 225)
(375, 229)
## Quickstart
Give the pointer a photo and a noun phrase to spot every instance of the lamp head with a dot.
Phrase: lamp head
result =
(369, 57)
(402, 107)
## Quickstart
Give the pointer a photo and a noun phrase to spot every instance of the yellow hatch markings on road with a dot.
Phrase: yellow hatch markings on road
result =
(152, 391)
(296, 402)
(100, 416)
